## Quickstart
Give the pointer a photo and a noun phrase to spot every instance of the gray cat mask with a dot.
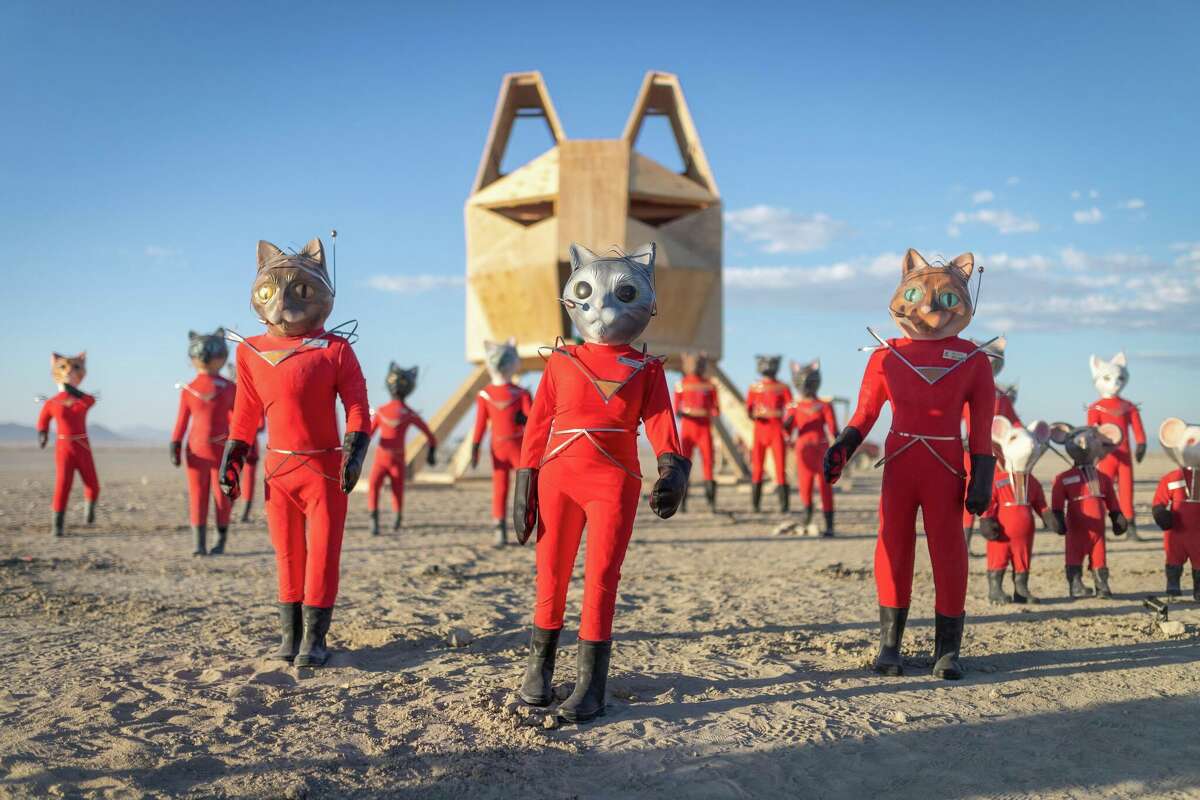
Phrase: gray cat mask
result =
(610, 298)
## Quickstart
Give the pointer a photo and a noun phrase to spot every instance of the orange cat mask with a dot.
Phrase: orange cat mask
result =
(933, 301)
(69, 370)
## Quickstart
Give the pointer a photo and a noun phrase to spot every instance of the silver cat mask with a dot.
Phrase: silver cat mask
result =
(610, 298)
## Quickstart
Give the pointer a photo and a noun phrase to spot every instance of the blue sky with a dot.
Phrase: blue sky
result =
(148, 147)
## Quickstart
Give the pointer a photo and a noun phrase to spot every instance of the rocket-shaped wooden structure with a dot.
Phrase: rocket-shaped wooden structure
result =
(602, 193)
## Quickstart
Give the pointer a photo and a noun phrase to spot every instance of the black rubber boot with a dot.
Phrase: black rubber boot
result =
(291, 628)
(808, 515)
(785, 497)
(312, 651)
(891, 633)
(587, 701)
(199, 535)
(536, 688)
(756, 496)
(375, 522)
(947, 642)
(967, 534)
(996, 595)
(1100, 578)
(90, 512)
(246, 511)
(1075, 583)
(1132, 531)
(501, 536)
(828, 532)
(58, 523)
(1196, 585)
(1021, 593)
(710, 495)
(683, 502)
(219, 548)
(398, 523)
(1174, 578)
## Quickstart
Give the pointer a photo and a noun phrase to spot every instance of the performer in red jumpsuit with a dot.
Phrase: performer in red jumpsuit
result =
(1017, 499)
(1110, 378)
(927, 376)
(696, 407)
(1004, 408)
(813, 424)
(392, 420)
(506, 406)
(250, 470)
(72, 453)
(1079, 499)
(1176, 504)
(579, 465)
(207, 403)
(294, 374)
(766, 403)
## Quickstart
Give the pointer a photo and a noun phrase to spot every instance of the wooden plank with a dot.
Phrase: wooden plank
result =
(661, 93)
(731, 456)
(593, 194)
(518, 91)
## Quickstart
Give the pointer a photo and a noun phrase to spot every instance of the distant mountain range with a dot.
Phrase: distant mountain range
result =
(14, 433)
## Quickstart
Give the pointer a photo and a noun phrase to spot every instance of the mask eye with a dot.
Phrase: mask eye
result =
(264, 293)
(583, 290)
(913, 294)
(304, 291)
(948, 299)
(626, 293)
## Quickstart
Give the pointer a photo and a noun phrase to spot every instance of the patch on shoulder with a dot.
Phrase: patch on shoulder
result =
(1071, 479)
(954, 355)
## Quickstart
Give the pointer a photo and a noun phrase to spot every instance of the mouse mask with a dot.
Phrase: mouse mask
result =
(1018, 449)
(1086, 444)
(610, 299)
(1181, 441)
(292, 294)
(932, 301)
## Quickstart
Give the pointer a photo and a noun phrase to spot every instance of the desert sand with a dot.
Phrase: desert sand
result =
(136, 670)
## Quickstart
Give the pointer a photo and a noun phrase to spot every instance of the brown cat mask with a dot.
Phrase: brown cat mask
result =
(933, 302)
(292, 294)
(68, 370)
(695, 364)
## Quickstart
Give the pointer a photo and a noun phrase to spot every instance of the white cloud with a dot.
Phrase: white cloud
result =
(772, 278)
(1013, 180)
(1185, 360)
(1088, 216)
(413, 284)
(781, 230)
(1075, 195)
(1004, 221)
(983, 196)
(1134, 203)
(1189, 254)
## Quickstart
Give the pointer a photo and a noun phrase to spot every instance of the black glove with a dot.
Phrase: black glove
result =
(474, 455)
(520, 418)
(990, 528)
(1060, 523)
(43, 437)
(431, 455)
(1119, 523)
(176, 450)
(1163, 517)
(979, 489)
(1140, 452)
(354, 453)
(839, 453)
(671, 486)
(232, 461)
(525, 504)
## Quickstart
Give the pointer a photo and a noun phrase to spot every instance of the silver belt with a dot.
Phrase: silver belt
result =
(924, 439)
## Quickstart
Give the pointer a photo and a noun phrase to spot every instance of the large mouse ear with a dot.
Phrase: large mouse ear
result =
(1170, 433)
(1001, 427)
(1039, 429)
(1111, 432)
(1060, 432)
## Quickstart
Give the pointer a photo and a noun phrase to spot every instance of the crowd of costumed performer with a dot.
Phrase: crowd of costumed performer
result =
(392, 421)
(505, 407)
(72, 452)
(696, 407)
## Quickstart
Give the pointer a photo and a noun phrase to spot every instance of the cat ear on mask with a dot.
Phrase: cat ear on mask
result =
(964, 264)
(644, 256)
(267, 252)
(815, 365)
(912, 262)
(82, 357)
(1095, 363)
(393, 366)
(580, 256)
(1060, 432)
(192, 336)
(54, 358)
(314, 250)
(219, 333)
(1119, 359)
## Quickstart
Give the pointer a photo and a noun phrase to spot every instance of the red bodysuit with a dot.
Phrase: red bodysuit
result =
(696, 407)
(1017, 522)
(207, 402)
(71, 450)
(392, 420)
(250, 472)
(1004, 408)
(1087, 495)
(923, 452)
(505, 406)
(302, 486)
(1118, 464)
(765, 403)
(814, 425)
(1179, 491)
(582, 437)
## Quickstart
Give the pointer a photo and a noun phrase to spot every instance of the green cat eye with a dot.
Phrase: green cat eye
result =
(583, 290)
(948, 299)
(913, 293)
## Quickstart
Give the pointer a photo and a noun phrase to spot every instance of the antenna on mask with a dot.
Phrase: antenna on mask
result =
(333, 249)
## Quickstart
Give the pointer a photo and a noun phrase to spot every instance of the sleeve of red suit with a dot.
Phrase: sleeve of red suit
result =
(541, 417)
(657, 415)
(247, 405)
(526, 403)
(1058, 495)
(831, 420)
(750, 398)
(1037, 496)
(1135, 418)
(481, 419)
(421, 426)
(44, 417)
(981, 398)
(181, 419)
(1110, 493)
(1162, 495)
(871, 395)
(993, 509)
(1093, 417)
(352, 389)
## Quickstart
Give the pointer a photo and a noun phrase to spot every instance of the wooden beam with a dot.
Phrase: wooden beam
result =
(446, 419)
(519, 92)
(733, 409)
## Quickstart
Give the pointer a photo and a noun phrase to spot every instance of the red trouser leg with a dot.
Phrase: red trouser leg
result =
(998, 554)
(1182, 547)
(1021, 545)
(248, 478)
(199, 479)
(499, 490)
(306, 515)
(285, 523)
(779, 456)
(1085, 543)
(607, 503)
(396, 480)
(808, 469)
(706, 452)
(1118, 466)
(804, 477)
(1098, 557)
(64, 476)
(87, 472)
(692, 435)
(758, 452)
(375, 482)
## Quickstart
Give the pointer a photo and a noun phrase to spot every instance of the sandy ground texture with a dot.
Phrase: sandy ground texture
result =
(136, 670)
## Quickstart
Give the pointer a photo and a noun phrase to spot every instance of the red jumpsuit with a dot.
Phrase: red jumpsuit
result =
(501, 404)
(1118, 464)
(1179, 491)
(923, 450)
(207, 402)
(71, 451)
(392, 420)
(766, 402)
(582, 437)
(1016, 521)
(296, 381)
(1004, 408)
(1088, 496)
(814, 425)
(696, 406)
(250, 471)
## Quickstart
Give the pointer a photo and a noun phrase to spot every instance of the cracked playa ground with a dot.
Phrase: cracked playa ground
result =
(136, 670)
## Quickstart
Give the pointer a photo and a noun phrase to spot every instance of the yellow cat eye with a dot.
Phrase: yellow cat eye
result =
(913, 293)
(264, 293)
(304, 291)
(948, 299)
